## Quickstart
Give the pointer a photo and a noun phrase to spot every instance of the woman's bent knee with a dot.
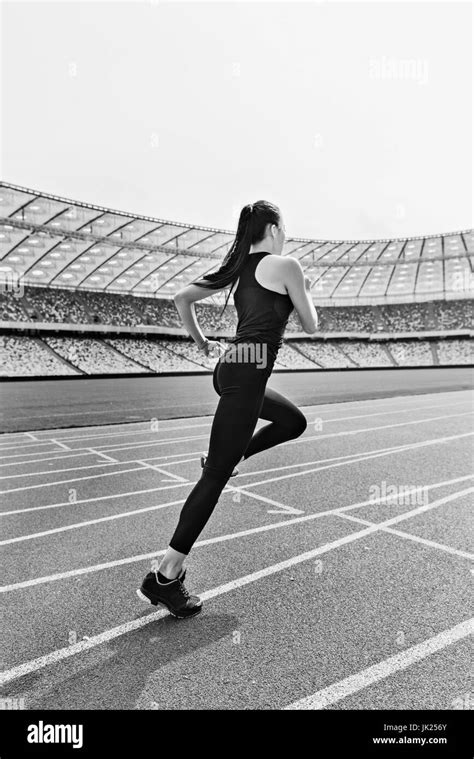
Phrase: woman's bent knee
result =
(298, 426)
(301, 425)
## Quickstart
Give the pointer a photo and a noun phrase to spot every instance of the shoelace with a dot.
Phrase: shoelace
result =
(183, 590)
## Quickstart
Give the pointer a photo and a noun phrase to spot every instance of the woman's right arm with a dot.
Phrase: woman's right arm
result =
(298, 288)
(184, 301)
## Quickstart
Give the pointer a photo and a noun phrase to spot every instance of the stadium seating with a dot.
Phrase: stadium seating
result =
(92, 356)
(83, 307)
(66, 356)
(455, 352)
(289, 357)
(365, 353)
(51, 305)
(411, 353)
(11, 308)
(22, 356)
(152, 354)
(325, 355)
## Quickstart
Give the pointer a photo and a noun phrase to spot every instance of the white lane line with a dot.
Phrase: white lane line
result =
(303, 439)
(351, 459)
(105, 456)
(343, 433)
(194, 454)
(167, 464)
(187, 461)
(390, 452)
(281, 507)
(73, 455)
(241, 533)
(77, 525)
(414, 538)
(101, 465)
(389, 412)
(355, 683)
(130, 433)
(162, 471)
(92, 500)
(33, 453)
(29, 434)
(61, 445)
(86, 452)
(64, 653)
(347, 456)
(26, 444)
(73, 479)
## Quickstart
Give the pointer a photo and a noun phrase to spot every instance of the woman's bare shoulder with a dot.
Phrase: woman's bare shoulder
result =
(275, 264)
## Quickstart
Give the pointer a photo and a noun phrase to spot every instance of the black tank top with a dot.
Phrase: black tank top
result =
(262, 313)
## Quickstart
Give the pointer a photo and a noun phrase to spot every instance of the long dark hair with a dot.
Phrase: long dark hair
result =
(253, 220)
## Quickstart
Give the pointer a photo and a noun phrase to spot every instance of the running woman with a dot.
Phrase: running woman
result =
(268, 287)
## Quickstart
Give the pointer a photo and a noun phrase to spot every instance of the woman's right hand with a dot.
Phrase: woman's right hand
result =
(213, 349)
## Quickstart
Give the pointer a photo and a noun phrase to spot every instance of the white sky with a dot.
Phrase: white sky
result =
(187, 111)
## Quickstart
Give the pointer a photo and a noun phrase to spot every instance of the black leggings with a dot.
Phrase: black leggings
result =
(244, 398)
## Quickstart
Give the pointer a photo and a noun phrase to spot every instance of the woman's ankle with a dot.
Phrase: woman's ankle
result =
(171, 572)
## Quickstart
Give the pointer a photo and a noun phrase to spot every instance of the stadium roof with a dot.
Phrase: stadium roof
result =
(54, 242)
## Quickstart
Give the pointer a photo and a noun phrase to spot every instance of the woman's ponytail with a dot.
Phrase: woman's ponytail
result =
(251, 228)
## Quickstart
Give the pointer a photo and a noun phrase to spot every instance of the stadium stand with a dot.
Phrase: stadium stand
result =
(455, 352)
(153, 354)
(88, 290)
(52, 305)
(411, 353)
(157, 312)
(190, 351)
(46, 240)
(69, 307)
(365, 353)
(325, 355)
(65, 356)
(11, 308)
(290, 357)
(92, 356)
(22, 356)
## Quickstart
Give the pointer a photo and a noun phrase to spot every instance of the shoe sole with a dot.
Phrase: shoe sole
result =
(141, 595)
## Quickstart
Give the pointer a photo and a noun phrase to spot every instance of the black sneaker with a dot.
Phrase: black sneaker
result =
(173, 595)
(203, 461)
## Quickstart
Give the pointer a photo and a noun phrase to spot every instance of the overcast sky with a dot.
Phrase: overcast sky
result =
(356, 119)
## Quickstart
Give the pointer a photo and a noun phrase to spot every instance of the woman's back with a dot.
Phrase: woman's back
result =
(262, 311)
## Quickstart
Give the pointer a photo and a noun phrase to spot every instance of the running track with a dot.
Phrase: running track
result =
(318, 592)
